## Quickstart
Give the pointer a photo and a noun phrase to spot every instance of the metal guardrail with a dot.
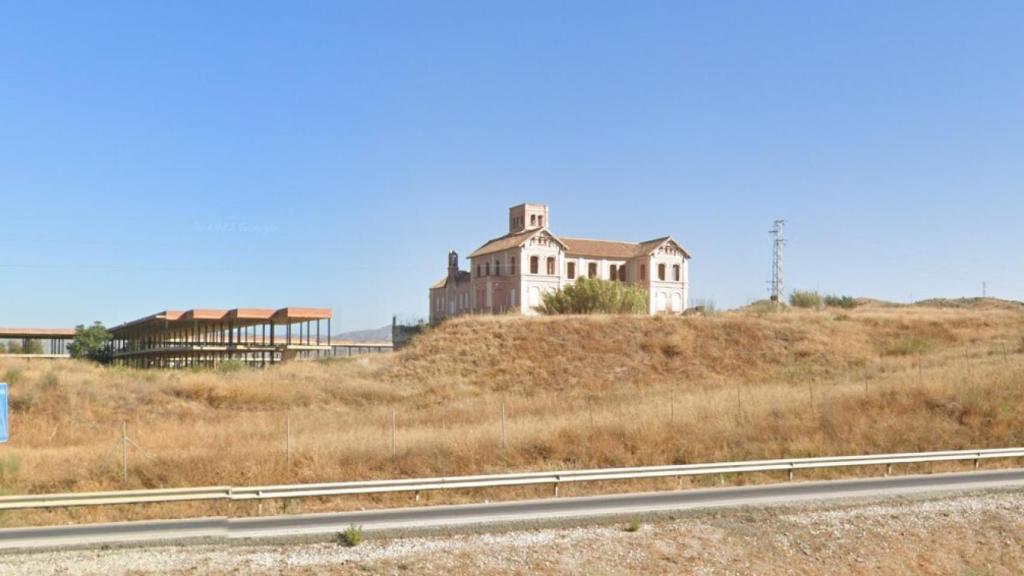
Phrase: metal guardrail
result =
(491, 481)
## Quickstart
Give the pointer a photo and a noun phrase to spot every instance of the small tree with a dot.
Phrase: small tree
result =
(847, 302)
(92, 343)
(805, 299)
(595, 296)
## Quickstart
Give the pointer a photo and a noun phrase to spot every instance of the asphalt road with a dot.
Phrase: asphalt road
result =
(214, 529)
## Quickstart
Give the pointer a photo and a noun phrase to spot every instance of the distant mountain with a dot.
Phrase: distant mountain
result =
(382, 334)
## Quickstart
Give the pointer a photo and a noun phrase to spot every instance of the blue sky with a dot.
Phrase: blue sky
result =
(161, 155)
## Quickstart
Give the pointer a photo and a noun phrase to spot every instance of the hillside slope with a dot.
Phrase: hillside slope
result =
(598, 352)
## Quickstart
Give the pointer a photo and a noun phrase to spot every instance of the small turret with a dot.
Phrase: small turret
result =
(453, 265)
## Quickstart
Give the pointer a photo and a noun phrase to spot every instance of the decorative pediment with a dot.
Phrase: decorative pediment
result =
(666, 247)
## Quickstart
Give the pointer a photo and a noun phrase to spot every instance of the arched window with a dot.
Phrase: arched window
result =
(592, 269)
(533, 219)
(540, 221)
(551, 266)
(512, 266)
(534, 264)
(497, 267)
(676, 273)
(661, 271)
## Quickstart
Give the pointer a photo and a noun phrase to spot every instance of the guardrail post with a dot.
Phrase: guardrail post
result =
(888, 469)
(977, 462)
(556, 486)
(417, 495)
(790, 474)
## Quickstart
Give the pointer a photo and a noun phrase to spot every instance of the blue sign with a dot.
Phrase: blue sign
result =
(3, 412)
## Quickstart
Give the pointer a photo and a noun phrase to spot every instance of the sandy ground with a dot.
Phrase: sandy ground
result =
(969, 535)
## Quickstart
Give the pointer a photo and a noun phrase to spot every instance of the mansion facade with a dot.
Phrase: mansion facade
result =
(509, 274)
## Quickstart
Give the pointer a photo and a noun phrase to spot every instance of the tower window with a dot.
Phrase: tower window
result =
(676, 275)
(661, 271)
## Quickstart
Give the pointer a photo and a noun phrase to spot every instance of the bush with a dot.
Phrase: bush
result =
(351, 537)
(805, 299)
(231, 365)
(914, 345)
(12, 376)
(92, 343)
(632, 526)
(847, 302)
(595, 296)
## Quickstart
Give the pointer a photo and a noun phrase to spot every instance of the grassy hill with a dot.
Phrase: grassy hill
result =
(577, 392)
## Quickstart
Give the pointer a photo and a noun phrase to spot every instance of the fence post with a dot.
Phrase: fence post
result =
(394, 446)
(288, 441)
(124, 452)
(504, 444)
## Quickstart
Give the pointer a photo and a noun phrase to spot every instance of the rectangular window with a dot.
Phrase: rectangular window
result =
(622, 273)
(512, 266)
(487, 269)
(676, 273)
(551, 266)
(534, 264)
(613, 272)
(643, 272)
(661, 271)
(592, 270)
(570, 270)
(497, 267)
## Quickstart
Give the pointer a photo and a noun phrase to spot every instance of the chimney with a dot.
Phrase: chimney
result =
(453, 265)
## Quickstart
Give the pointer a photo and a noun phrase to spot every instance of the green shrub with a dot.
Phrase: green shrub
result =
(595, 296)
(352, 536)
(632, 526)
(805, 299)
(228, 366)
(12, 376)
(847, 302)
(909, 346)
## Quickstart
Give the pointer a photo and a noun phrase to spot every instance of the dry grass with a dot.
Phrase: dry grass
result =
(578, 392)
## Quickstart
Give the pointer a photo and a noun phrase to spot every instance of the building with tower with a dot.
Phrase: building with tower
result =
(510, 273)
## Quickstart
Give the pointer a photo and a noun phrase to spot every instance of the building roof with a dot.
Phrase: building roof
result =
(504, 242)
(238, 316)
(578, 246)
(44, 333)
(443, 282)
(616, 250)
